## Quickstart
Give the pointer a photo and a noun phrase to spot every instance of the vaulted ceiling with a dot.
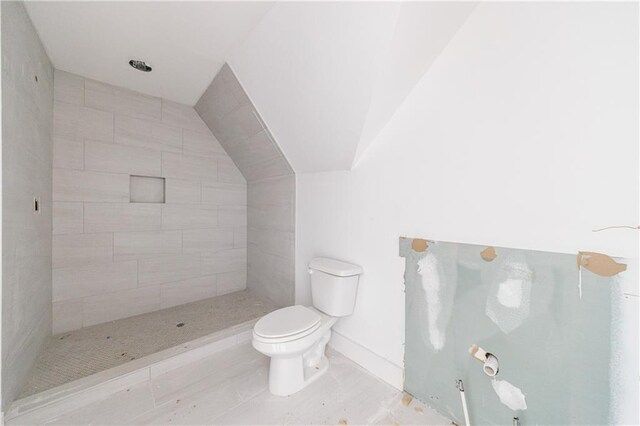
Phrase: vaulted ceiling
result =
(326, 77)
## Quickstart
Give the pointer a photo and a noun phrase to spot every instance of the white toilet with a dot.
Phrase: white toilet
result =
(295, 337)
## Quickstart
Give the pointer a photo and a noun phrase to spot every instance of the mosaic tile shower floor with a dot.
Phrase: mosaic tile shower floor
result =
(80, 353)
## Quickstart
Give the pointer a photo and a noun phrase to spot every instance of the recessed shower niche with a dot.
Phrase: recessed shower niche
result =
(146, 189)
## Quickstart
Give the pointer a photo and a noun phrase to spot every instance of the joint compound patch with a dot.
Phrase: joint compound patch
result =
(509, 395)
(509, 297)
(419, 245)
(510, 293)
(600, 264)
(439, 291)
(488, 254)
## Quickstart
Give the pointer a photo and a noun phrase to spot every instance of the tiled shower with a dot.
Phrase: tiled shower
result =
(27, 85)
(114, 257)
(227, 110)
(143, 203)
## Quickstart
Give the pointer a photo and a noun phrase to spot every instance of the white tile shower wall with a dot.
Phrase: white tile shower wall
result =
(27, 102)
(113, 258)
(269, 194)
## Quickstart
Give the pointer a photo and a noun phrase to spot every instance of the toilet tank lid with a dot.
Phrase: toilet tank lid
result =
(335, 267)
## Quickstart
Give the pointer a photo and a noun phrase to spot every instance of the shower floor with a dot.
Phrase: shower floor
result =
(76, 354)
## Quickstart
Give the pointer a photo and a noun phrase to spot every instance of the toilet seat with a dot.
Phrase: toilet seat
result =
(287, 324)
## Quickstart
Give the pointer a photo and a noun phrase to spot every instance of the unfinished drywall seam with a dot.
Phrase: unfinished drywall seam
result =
(438, 289)
(624, 396)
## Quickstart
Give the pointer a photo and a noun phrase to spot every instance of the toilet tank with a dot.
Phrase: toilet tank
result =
(334, 285)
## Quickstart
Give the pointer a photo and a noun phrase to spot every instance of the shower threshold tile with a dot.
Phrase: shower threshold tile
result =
(80, 353)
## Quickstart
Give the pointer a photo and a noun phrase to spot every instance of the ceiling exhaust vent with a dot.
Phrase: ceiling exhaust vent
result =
(140, 65)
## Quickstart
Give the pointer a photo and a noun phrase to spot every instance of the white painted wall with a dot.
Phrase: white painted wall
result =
(524, 134)
(1, 240)
(328, 90)
(422, 31)
(310, 69)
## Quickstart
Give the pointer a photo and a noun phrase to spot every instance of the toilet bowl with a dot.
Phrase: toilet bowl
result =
(296, 346)
(295, 337)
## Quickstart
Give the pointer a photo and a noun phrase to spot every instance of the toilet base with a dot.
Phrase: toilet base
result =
(288, 375)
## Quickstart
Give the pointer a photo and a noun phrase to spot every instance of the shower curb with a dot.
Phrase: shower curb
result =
(99, 385)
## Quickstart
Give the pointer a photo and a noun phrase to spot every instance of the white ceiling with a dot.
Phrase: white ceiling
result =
(186, 43)
(325, 76)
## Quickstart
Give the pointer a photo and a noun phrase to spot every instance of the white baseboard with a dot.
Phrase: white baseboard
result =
(370, 361)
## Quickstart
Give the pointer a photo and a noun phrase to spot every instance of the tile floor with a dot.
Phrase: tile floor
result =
(230, 387)
(80, 353)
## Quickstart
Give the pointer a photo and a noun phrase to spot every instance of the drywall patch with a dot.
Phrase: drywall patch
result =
(439, 290)
(509, 395)
(555, 327)
(488, 254)
(509, 297)
(419, 245)
(599, 264)
(428, 268)
(510, 293)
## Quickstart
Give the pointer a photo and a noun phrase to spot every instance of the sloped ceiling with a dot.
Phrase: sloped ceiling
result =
(327, 77)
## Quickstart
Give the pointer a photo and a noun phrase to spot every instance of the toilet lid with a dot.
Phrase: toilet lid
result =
(287, 322)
